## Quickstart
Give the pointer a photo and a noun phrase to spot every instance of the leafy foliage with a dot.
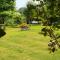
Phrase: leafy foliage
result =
(46, 9)
(8, 13)
(7, 5)
(24, 26)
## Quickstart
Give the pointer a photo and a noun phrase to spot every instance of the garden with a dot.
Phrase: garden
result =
(31, 32)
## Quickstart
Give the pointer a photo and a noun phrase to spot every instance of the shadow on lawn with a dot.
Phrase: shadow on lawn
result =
(2, 33)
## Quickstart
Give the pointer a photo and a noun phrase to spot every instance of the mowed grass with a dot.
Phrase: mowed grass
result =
(26, 45)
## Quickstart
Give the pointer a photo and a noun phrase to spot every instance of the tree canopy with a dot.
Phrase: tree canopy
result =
(48, 10)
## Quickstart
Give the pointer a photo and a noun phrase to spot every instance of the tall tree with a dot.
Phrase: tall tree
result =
(6, 5)
(49, 10)
(30, 12)
(33, 11)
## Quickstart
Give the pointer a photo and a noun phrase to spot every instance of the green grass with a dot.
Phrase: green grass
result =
(26, 45)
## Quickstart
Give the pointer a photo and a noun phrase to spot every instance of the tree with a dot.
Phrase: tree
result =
(53, 10)
(5, 7)
(49, 10)
(23, 13)
(31, 12)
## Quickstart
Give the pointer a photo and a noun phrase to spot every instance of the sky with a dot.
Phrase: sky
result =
(21, 3)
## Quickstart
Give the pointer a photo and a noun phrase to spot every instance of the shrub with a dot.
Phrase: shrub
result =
(24, 26)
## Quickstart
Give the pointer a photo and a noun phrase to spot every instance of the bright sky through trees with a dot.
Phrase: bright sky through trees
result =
(21, 3)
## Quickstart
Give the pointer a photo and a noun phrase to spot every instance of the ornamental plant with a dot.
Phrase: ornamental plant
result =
(24, 26)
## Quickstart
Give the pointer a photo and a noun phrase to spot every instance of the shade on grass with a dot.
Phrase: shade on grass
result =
(2, 33)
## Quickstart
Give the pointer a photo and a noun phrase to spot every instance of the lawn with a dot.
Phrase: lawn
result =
(26, 45)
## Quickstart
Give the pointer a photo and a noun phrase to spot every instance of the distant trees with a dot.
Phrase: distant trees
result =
(22, 11)
(27, 12)
(35, 11)
(30, 12)
(46, 10)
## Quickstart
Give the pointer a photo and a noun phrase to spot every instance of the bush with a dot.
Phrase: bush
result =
(24, 26)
